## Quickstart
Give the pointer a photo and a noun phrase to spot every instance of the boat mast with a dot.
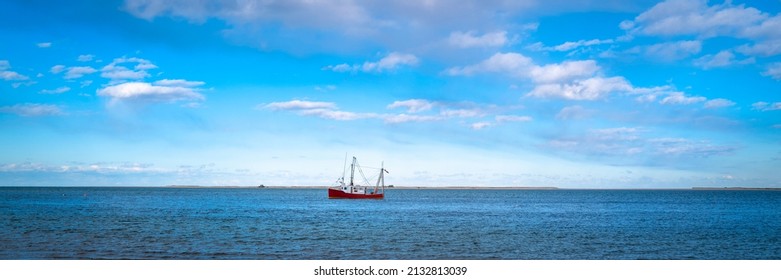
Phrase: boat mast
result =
(381, 178)
(344, 167)
(352, 171)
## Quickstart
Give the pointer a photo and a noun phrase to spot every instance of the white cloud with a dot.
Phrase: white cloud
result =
(117, 72)
(412, 105)
(688, 148)
(573, 80)
(589, 89)
(32, 110)
(391, 62)
(329, 110)
(325, 110)
(718, 103)
(469, 40)
(461, 113)
(402, 118)
(325, 88)
(12, 76)
(178, 83)
(56, 69)
(672, 51)
(85, 57)
(56, 91)
(563, 72)
(721, 59)
(686, 17)
(774, 71)
(678, 98)
(78, 72)
(300, 105)
(480, 125)
(697, 18)
(44, 44)
(568, 46)
(628, 141)
(339, 68)
(513, 64)
(762, 48)
(8, 75)
(616, 133)
(512, 118)
(335, 114)
(764, 106)
(149, 92)
(573, 113)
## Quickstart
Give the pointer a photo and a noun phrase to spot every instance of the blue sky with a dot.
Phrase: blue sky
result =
(592, 94)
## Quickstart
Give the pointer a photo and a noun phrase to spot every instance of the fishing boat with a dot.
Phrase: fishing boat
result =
(355, 191)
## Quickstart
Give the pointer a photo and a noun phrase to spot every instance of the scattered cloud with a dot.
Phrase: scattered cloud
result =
(571, 80)
(117, 72)
(78, 72)
(721, 59)
(336, 114)
(32, 110)
(461, 113)
(512, 118)
(141, 91)
(58, 90)
(563, 72)
(412, 105)
(178, 83)
(56, 69)
(329, 110)
(8, 75)
(718, 103)
(672, 51)
(403, 118)
(697, 18)
(574, 112)
(679, 98)
(762, 48)
(764, 106)
(470, 40)
(325, 88)
(391, 62)
(44, 44)
(589, 89)
(568, 46)
(773, 71)
(513, 64)
(687, 148)
(300, 105)
(684, 17)
(619, 142)
(480, 125)
(85, 57)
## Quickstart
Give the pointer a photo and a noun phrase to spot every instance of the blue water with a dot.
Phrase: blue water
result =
(174, 223)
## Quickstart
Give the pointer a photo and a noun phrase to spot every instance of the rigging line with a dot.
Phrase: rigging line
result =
(364, 176)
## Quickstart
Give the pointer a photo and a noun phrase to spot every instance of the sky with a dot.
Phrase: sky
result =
(571, 94)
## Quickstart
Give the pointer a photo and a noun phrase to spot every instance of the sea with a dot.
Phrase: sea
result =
(409, 224)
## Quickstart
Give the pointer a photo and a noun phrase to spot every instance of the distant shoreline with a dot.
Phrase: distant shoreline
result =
(387, 188)
(423, 188)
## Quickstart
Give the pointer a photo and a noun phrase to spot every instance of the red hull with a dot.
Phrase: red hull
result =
(332, 193)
